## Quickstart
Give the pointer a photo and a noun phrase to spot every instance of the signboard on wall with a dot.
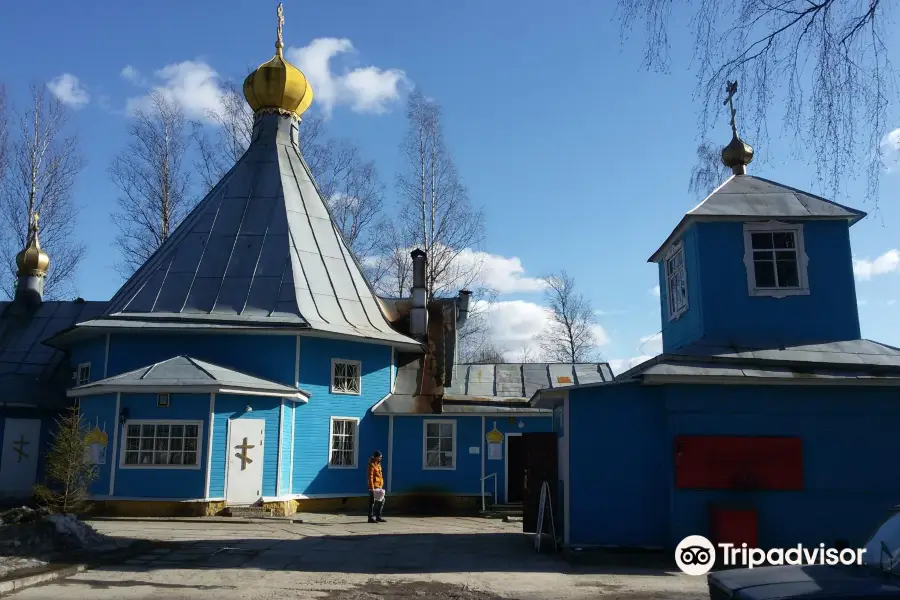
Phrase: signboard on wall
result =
(495, 444)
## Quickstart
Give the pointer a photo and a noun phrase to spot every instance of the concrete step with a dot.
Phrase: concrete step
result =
(247, 511)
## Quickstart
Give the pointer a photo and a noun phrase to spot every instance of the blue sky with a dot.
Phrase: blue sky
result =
(579, 157)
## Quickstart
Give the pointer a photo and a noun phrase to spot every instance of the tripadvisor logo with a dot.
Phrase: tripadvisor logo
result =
(696, 555)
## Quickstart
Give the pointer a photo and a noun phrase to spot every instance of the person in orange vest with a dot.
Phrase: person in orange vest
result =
(376, 488)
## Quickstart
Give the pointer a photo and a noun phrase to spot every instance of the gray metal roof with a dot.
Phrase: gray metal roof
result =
(486, 388)
(30, 372)
(185, 374)
(260, 249)
(851, 361)
(752, 198)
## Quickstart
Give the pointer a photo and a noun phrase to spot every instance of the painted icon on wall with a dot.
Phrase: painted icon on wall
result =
(96, 442)
(495, 443)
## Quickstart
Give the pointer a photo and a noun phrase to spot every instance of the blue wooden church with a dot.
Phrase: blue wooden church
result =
(767, 419)
(249, 362)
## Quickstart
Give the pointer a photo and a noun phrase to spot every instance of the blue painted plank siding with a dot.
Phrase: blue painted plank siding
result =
(287, 428)
(688, 327)
(101, 411)
(848, 438)
(268, 356)
(228, 407)
(619, 467)
(159, 482)
(312, 476)
(91, 351)
(408, 461)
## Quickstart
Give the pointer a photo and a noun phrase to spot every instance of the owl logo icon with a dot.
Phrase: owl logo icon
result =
(695, 555)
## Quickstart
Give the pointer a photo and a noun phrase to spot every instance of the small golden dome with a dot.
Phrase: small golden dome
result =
(737, 153)
(494, 436)
(96, 437)
(277, 85)
(32, 260)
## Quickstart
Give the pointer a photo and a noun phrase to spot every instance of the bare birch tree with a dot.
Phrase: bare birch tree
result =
(152, 180)
(825, 61)
(570, 335)
(42, 162)
(709, 172)
(348, 183)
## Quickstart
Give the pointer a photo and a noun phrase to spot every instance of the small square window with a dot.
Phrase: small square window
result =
(346, 376)
(775, 259)
(83, 374)
(162, 400)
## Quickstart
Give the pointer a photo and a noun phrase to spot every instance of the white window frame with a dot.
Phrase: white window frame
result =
(802, 259)
(358, 364)
(124, 443)
(159, 400)
(425, 424)
(78, 378)
(675, 249)
(355, 464)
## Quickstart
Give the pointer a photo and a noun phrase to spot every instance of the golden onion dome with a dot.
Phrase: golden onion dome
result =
(737, 153)
(32, 260)
(277, 85)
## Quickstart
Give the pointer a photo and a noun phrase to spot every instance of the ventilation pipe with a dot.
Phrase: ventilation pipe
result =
(418, 316)
(462, 308)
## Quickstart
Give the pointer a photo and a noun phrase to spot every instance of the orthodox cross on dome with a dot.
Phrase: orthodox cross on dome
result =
(245, 458)
(19, 447)
(279, 43)
(731, 90)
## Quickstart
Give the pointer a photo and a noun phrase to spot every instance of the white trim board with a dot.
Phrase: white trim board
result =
(506, 464)
(278, 474)
(299, 396)
(115, 448)
(209, 444)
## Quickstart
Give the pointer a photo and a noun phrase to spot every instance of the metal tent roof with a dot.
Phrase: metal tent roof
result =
(752, 198)
(185, 374)
(260, 250)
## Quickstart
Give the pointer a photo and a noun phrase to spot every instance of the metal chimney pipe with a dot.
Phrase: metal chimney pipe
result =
(418, 315)
(462, 308)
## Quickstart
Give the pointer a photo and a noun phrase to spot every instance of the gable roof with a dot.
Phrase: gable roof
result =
(32, 373)
(260, 250)
(752, 198)
(183, 374)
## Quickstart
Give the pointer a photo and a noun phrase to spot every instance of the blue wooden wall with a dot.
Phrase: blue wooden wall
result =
(721, 308)
(229, 407)
(409, 475)
(311, 475)
(102, 410)
(529, 425)
(271, 357)
(689, 326)
(848, 437)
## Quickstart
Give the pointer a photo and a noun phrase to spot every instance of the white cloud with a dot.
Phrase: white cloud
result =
(515, 324)
(651, 344)
(131, 74)
(365, 89)
(891, 302)
(862, 302)
(620, 365)
(888, 262)
(193, 85)
(890, 146)
(69, 91)
(655, 291)
(504, 274)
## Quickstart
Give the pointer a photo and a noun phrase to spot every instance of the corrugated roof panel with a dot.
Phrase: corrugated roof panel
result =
(561, 375)
(232, 295)
(174, 292)
(509, 380)
(607, 372)
(145, 298)
(244, 257)
(189, 253)
(536, 378)
(587, 374)
(325, 236)
(261, 294)
(481, 380)
(202, 295)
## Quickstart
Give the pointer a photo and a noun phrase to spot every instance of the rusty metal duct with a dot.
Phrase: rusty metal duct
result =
(418, 317)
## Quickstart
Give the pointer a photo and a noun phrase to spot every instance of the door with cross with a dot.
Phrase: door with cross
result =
(19, 460)
(244, 475)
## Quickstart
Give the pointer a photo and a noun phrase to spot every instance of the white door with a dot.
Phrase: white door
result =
(245, 461)
(18, 465)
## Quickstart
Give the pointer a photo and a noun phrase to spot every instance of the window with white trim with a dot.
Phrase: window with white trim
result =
(346, 376)
(162, 444)
(83, 374)
(775, 259)
(440, 444)
(676, 281)
(343, 446)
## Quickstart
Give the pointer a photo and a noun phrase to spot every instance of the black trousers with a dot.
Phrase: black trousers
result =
(375, 508)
